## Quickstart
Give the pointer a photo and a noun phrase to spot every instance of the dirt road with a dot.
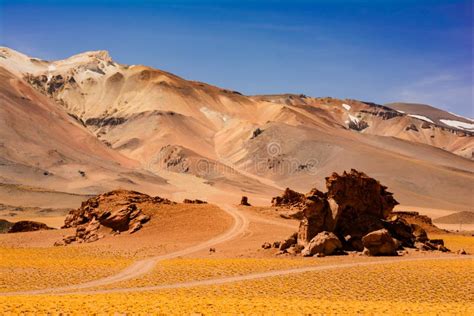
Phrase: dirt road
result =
(239, 228)
(261, 275)
(247, 277)
(144, 266)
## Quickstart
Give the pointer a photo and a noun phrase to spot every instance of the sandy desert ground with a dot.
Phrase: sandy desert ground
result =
(167, 268)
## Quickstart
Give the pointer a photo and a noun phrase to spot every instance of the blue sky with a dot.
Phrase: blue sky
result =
(378, 50)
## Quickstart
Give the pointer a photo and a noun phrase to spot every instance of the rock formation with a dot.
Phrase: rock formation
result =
(245, 201)
(423, 221)
(354, 205)
(28, 226)
(354, 213)
(289, 198)
(118, 210)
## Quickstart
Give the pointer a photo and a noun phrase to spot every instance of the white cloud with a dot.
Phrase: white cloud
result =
(443, 90)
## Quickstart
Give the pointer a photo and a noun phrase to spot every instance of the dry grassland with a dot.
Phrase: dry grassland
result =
(418, 287)
(38, 268)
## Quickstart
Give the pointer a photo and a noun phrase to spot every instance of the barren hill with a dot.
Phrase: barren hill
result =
(44, 150)
(212, 142)
(464, 217)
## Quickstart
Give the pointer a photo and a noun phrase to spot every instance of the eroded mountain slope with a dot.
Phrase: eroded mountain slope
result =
(251, 144)
(42, 146)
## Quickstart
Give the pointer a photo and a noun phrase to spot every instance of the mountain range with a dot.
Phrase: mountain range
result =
(87, 124)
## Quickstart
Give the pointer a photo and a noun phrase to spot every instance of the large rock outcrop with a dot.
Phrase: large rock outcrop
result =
(354, 212)
(118, 210)
(353, 206)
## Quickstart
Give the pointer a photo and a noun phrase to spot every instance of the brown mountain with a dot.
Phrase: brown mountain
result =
(213, 143)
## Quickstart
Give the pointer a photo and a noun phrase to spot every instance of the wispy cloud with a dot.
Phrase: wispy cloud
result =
(434, 80)
(446, 90)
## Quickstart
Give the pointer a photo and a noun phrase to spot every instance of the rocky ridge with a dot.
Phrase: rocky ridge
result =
(355, 214)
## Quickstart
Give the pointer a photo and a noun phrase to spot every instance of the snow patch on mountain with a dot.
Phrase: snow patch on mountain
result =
(346, 106)
(458, 124)
(354, 119)
(463, 117)
(421, 117)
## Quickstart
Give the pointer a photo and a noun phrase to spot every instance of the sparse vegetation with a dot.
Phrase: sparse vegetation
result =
(457, 242)
(183, 270)
(38, 268)
(421, 287)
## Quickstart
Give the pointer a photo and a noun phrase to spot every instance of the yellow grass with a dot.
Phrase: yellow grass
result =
(181, 270)
(419, 287)
(456, 242)
(37, 268)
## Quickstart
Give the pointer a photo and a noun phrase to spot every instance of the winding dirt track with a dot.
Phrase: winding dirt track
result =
(267, 274)
(239, 227)
(247, 277)
(146, 265)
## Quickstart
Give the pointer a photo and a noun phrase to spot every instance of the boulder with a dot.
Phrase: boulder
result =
(290, 241)
(325, 243)
(244, 201)
(380, 243)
